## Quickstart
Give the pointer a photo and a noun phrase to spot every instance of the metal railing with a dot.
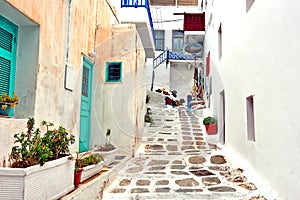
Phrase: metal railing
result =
(163, 57)
(138, 4)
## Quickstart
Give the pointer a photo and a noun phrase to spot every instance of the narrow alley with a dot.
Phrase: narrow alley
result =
(176, 162)
(113, 100)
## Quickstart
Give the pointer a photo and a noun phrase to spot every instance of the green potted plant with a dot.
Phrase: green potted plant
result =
(39, 158)
(210, 125)
(86, 166)
(148, 120)
(107, 149)
(7, 103)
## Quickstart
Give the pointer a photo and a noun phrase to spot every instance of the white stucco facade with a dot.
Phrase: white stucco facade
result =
(259, 59)
(53, 42)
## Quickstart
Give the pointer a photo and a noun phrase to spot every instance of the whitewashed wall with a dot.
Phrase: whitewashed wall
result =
(260, 58)
(120, 106)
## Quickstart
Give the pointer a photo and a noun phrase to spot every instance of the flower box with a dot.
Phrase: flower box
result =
(51, 181)
(90, 171)
(109, 156)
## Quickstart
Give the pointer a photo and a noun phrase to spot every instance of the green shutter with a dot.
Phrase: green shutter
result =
(8, 42)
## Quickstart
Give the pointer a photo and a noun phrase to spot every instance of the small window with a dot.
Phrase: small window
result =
(249, 4)
(159, 40)
(177, 43)
(114, 72)
(250, 118)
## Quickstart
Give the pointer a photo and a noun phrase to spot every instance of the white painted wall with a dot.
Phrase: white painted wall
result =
(120, 106)
(260, 58)
(175, 76)
(161, 75)
(182, 79)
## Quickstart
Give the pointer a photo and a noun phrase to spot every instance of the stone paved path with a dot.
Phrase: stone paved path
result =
(176, 162)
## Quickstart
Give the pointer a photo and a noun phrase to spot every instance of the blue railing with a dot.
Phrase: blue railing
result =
(134, 3)
(160, 59)
(163, 57)
(138, 4)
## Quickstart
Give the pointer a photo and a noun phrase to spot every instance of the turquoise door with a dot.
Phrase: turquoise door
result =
(85, 109)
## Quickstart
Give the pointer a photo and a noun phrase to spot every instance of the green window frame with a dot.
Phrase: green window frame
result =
(8, 47)
(113, 71)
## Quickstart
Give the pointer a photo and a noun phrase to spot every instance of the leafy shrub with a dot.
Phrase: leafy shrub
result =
(88, 160)
(209, 120)
(148, 119)
(32, 148)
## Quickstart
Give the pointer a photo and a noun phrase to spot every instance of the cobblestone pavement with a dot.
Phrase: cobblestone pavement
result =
(175, 162)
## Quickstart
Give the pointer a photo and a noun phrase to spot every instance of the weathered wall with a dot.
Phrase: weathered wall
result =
(260, 53)
(120, 106)
(182, 79)
(41, 86)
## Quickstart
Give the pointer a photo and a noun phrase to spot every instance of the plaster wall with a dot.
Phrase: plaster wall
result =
(120, 106)
(40, 80)
(259, 58)
(164, 18)
(182, 79)
(161, 75)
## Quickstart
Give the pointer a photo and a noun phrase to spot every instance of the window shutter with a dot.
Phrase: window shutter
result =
(8, 33)
(5, 66)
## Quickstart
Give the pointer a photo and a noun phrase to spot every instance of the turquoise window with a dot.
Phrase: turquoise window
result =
(113, 71)
(8, 43)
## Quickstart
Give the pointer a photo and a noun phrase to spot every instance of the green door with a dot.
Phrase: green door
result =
(85, 109)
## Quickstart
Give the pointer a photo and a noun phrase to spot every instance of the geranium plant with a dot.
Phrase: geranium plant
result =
(35, 148)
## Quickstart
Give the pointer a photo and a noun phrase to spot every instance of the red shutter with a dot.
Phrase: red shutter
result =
(194, 22)
(208, 64)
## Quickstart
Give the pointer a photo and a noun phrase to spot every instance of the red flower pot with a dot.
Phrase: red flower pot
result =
(211, 129)
(77, 176)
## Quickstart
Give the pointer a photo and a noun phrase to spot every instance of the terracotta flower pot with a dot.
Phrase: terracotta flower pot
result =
(77, 176)
(211, 129)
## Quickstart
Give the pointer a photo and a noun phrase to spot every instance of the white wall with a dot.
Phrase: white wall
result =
(120, 106)
(260, 58)
(182, 79)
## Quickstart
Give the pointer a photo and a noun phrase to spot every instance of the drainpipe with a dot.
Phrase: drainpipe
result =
(68, 32)
(67, 50)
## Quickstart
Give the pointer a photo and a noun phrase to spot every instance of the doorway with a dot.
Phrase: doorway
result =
(222, 117)
(85, 107)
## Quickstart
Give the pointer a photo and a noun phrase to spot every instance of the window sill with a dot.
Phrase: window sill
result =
(7, 118)
(113, 82)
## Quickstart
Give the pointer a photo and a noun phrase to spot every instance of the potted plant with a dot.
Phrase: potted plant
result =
(107, 149)
(210, 125)
(39, 165)
(7, 103)
(148, 120)
(86, 166)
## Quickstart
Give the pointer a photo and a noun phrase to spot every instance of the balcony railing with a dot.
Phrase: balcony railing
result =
(138, 4)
